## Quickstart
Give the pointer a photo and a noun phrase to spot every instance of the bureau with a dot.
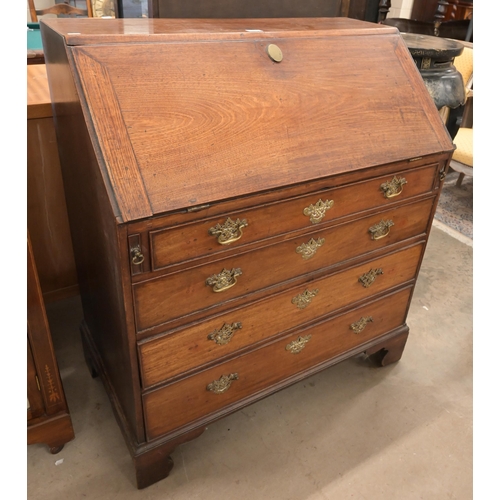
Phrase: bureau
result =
(249, 203)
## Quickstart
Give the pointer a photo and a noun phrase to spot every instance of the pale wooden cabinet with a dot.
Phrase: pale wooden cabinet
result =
(249, 201)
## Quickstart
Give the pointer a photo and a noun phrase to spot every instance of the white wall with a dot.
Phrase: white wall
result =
(401, 8)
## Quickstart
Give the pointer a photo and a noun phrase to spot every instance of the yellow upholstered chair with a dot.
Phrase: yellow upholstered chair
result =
(462, 160)
(462, 131)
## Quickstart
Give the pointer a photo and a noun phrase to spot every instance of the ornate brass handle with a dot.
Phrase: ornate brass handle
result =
(224, 334)
(317, 212)
(228, 232)
(368, 278)
(297, 345)
(224, 280)
(381, 230)
(137, 256)
(393, 188)
(360, 325)
(223, 384)
(309, 249)
(304, 299)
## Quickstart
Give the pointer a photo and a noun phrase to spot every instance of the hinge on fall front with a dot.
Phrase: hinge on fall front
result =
(442, 175)
(38, 383)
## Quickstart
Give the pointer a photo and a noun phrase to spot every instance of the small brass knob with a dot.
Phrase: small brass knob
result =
(274, 52)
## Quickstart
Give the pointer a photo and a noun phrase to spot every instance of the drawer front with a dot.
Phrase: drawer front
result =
(218, 234)
(205, 393)
(174, 354)
(169, 297)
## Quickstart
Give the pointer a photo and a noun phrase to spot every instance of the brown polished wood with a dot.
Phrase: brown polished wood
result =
(47, 214)
(238, 223)
(49, 421)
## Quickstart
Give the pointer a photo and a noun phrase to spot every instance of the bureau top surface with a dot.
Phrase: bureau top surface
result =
(188, 112)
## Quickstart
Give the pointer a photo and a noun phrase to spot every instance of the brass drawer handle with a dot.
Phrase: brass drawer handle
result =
(228, 232)
(309, 249)
(302, 300)
(318, 211)
(368, 278)
(297, 345)
(393, 188)
(223, 384)
(224, 280)
(360, 325)
(224, 335)
(381, 230)
(137, 256)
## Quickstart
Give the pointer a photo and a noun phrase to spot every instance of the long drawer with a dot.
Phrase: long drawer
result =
(217, 234)
(160, 300)
(201, 395)
(173, 354)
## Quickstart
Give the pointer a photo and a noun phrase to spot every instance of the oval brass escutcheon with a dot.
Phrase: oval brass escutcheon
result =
(309, 249)
(228, 232)
(368, 278)
(380, 230)
(360, 325)
(223, 384)
(394, 187)
(274, 52)
(297, 345)
(317, 212)
(224, 280)
(304, 299)
(224, 335)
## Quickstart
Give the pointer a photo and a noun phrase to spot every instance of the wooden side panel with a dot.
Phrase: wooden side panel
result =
(95, 234)
(47, 215)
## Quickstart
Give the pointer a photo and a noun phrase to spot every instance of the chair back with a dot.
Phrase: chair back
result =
(60, 9)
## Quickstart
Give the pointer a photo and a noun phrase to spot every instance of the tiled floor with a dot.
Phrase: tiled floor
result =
(353, 431)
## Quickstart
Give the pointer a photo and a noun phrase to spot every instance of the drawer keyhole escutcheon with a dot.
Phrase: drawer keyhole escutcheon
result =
(224, 335)
(317, 212)
(228, 232)
(223, 384)
(381, 230)
(393, 188)
(368, 278)
(360, 325)
(297, 345)
(137, 256)
(305, 298)
(224, 280)
(307, 250)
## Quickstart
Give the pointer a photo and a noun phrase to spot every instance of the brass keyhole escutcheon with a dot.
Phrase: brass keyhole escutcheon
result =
(274, 52)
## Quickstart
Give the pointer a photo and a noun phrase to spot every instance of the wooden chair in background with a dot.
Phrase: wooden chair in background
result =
(58, 9)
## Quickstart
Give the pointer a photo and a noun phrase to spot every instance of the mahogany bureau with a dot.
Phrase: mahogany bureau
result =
(249, 202)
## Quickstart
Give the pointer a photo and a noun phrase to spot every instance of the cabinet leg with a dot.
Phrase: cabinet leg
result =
(55, 449)
(390, 350)
(156, 464)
